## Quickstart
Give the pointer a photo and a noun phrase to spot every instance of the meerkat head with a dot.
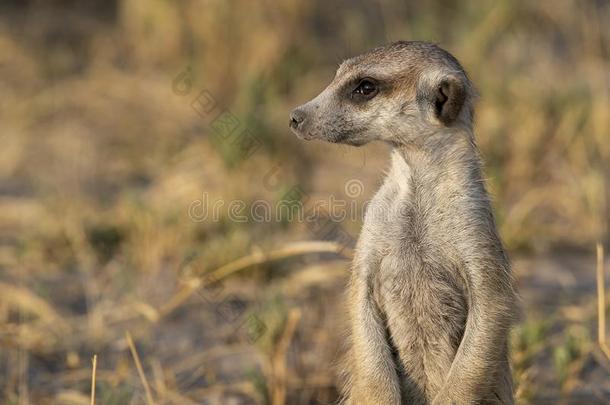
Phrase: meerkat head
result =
(397, 93)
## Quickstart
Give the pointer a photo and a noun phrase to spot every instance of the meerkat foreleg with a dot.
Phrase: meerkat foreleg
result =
(482, 355)
(374, 379)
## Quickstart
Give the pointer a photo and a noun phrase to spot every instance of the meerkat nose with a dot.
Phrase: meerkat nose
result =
(297, 117)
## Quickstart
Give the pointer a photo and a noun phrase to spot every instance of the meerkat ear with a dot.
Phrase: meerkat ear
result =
(449, 97)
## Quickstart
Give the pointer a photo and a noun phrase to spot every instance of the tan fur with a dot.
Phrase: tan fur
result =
(431, 297)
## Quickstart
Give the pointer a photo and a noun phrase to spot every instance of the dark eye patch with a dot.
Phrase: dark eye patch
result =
(362, 89)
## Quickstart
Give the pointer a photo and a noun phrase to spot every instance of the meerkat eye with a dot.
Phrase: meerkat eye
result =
(366, 89)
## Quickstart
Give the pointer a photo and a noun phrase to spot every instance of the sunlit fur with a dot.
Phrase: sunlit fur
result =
(431, 296)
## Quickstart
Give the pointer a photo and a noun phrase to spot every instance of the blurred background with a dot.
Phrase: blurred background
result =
(125, 122)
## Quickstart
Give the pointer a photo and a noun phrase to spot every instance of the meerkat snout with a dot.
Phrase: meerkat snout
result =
(396, 93)
(297, 117)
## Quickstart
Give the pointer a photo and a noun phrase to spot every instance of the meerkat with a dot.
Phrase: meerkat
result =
(431, 296)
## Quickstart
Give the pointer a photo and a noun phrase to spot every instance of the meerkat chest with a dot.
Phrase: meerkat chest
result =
(411, 228)
(398, 218)
(419, 285)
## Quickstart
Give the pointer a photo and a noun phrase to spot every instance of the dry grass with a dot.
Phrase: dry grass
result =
(601, 301)
(102, 160)
(93, 375)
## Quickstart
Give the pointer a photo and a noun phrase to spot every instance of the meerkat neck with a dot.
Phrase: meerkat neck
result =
(448, 161)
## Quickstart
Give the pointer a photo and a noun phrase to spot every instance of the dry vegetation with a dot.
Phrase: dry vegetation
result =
(103, 157)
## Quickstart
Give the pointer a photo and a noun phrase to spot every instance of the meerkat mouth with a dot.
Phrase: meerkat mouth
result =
(307, 136)
(347, 139)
